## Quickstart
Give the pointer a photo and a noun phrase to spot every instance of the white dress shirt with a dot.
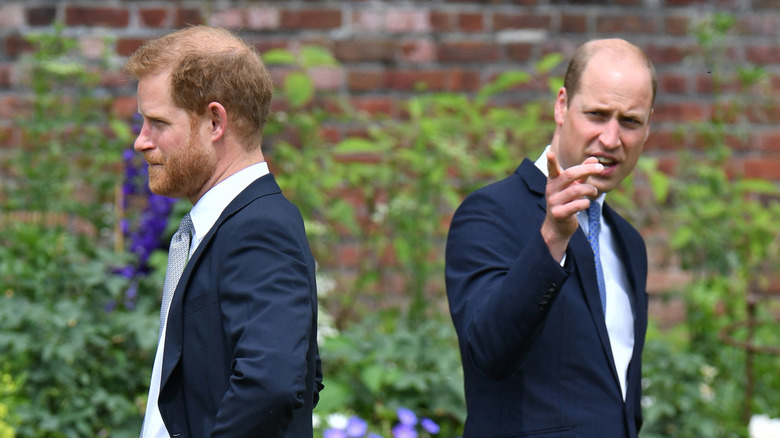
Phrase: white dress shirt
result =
(620, 317)
(204, 214)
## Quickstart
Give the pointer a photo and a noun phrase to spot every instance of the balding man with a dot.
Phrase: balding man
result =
(546, 283)
(237, 355)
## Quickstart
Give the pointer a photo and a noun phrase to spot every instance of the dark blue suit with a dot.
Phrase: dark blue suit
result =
(533, 340)
(241, 354)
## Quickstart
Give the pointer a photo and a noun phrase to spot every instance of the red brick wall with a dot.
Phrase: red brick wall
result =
(387, 47)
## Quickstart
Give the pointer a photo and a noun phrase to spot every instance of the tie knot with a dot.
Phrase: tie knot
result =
(594, 210)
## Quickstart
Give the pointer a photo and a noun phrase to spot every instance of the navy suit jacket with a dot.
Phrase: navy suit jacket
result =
(241, 355)
(534, 345)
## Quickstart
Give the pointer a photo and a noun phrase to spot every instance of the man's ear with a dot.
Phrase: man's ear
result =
(218, 118)
(561, 106)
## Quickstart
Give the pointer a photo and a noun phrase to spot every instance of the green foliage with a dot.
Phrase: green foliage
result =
(382, 363)
(724, 230)
(77, 359)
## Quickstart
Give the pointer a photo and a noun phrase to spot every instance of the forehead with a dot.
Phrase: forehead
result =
(154, 93)
(618, 81)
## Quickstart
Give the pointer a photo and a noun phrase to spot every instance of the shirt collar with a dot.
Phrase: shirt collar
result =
(208, 208)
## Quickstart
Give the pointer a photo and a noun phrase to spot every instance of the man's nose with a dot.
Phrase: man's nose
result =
(610, 135)
(142, 142)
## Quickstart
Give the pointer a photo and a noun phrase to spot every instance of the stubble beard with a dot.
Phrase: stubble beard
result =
(183, 173)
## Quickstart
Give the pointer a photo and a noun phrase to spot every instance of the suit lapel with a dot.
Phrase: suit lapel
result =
(263, 186)
(581, 255)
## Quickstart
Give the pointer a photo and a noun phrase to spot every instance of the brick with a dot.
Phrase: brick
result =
(463, 80)
(41, 16)
(9, 136)
(16, 45)
(418, 51)
(666, 313)
(441, 21)
(678, 112)
(705, 83)
(503, 21)
(92, 47)
(368, 21)
(153, 17)
(668, 54)
(574, 23)
(768, 24)
(124, 107)
(676, 25)
(365, 50)
(327, 78)
(127, 46)
(310, 19)
(365, 80)
(673, 83)
(96, 16)
(666, 280)
(6, 71)
(624, 24)
(766, 167)
(186, 16)
(467, 51)
(229, 18)
(263, 46)
(471, 22)
(763, 55)
(412, 80)
(376, 105)
(11, 15)
(519, 52)
(403, 20)
(260, 18)
(664, 140)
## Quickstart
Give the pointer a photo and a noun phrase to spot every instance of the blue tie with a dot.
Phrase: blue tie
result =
(594, 227)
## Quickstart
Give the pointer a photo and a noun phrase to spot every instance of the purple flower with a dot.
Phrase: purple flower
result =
(430, 426)
(404, 431)
(334, 433)
(406, 417)
(356, 427)
(373, 435)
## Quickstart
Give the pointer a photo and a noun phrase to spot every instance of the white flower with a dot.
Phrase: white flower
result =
(761, 426)
(316, 421)
(338, 421)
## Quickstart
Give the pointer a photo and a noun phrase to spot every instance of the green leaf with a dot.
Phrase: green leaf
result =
(316, 56)
(278, 56)
(298, 88)
(549, 62)
(353, 145)
(759, 186)
(503, 82)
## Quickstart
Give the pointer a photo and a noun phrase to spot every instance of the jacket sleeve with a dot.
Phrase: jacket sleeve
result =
(267, 310)
(501, 282)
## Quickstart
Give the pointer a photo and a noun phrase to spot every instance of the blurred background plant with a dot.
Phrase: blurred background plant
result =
(723, 229)
(77, 324)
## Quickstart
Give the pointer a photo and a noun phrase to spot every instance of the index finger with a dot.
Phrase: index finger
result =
(553, 168)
